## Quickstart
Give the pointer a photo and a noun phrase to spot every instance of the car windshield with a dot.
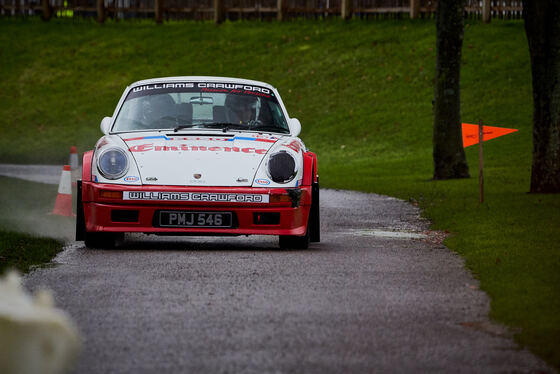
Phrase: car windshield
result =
(211, 105)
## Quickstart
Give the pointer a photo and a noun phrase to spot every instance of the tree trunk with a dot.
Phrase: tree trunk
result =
(219, 14)
(346, 9)
(100, 11)
(46, 10)
(281, 6)
(158, 11)
(414, 8)
(542, 25)
(449, 155)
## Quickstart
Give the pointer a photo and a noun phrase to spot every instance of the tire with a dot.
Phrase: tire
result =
(80, 218)
(313, 232)
(102, 240)
(294, 242)
(92, 239)
(314, 215)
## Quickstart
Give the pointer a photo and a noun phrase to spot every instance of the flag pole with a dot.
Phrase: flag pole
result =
(480, 161)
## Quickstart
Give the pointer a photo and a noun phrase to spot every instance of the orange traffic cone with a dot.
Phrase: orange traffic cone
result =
(63, 204)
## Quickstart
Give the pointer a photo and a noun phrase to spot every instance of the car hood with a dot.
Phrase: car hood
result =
(198, 159)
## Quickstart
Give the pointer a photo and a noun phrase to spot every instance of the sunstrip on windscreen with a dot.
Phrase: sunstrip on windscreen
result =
(216, 87)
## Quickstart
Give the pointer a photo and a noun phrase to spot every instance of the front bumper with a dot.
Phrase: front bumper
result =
(103, 207)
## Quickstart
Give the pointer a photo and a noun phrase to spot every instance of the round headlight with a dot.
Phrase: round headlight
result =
(112, 163)
(282, 167)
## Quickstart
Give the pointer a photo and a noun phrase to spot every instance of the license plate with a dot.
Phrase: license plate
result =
(194, 219)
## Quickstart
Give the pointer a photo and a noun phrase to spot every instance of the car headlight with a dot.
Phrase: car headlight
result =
(112, 163)
(281, 167)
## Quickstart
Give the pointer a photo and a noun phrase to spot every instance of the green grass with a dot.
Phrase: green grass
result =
(22, 251)
(29, 235)
(363, 92)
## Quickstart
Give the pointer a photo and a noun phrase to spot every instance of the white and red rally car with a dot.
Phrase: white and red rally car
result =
(199, 156)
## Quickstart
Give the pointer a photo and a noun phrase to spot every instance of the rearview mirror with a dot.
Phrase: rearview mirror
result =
(202, 100)
(105, 125)
(295, 126)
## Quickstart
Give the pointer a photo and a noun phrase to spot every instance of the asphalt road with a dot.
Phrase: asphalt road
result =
(376, 295)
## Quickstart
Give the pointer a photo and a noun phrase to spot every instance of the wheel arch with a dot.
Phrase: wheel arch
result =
(86, 166)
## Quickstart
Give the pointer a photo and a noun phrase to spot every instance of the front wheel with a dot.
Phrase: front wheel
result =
(101, 240)
(294, 242)
(314, 215)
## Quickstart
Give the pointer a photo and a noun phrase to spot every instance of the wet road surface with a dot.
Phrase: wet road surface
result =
(378, 294)
(48, 174)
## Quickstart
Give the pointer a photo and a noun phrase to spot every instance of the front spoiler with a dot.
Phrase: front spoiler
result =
(293, 207)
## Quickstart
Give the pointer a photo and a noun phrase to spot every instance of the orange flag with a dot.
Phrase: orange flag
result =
(470, 133)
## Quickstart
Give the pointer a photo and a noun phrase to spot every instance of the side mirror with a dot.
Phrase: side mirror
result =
(105, 125)
(295, 126)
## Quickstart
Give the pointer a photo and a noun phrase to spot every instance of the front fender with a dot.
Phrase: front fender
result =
(309, 168)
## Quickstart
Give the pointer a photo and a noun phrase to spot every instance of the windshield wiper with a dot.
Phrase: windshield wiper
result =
(269, 128)
(183, 127)
(226, 126)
